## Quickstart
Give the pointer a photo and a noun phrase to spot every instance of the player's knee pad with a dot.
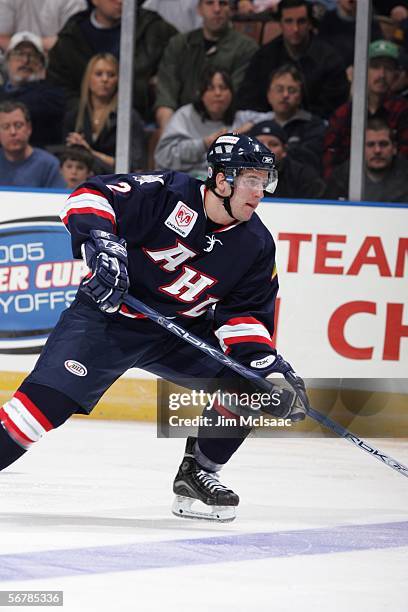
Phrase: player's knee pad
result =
(32, 411)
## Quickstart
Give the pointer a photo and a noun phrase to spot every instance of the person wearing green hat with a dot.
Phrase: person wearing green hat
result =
(384, 48)
(383, 70)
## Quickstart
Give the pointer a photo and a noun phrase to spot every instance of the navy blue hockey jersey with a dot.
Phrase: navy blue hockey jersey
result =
(180, 262)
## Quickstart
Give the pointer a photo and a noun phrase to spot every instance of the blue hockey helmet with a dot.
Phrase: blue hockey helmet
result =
(232, 153)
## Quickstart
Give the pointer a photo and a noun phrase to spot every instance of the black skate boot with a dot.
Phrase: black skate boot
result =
(192, 484)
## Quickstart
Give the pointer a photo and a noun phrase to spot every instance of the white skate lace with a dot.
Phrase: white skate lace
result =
(210, 481)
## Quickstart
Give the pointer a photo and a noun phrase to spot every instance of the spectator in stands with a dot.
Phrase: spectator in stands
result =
(296, 180)
(382, 71)
(26, 82)
(304, 131)
(338, 27)
(323, 73)
(22, 165)
(249, 7)
(245, 7)
(92, 123)
(98, 31)
(321, 6)
(76, 165)
(187, 55)
(187, 136)
(42, 17)
(385, 172)
(184, 18)
(399, 15)
(397, 10)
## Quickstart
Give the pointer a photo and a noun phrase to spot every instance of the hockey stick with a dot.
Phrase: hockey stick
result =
(282, 367)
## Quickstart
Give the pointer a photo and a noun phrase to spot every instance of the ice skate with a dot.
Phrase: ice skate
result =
(193, 485)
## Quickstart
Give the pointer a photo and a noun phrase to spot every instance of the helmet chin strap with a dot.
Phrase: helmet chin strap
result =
(226, 201)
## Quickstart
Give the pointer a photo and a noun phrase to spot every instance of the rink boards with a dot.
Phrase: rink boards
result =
(342, 310)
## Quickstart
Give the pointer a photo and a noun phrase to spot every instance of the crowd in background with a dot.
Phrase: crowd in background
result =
(202, 69)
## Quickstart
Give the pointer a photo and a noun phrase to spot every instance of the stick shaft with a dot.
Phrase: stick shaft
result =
(262, 383)
(359, 442)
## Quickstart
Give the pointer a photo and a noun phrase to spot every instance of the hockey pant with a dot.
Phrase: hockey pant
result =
(86, 352)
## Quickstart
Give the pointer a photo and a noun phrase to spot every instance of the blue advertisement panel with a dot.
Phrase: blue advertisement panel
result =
(38, 280)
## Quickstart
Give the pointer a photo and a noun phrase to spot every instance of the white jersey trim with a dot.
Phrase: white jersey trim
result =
(24, 420)
(88, 200)
(227, 332)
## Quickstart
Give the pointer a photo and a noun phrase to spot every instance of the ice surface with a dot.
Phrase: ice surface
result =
(321, 526)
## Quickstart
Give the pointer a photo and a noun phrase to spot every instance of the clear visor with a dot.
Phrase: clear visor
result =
(267, 183)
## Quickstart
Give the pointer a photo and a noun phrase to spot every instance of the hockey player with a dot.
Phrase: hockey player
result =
(184, 248)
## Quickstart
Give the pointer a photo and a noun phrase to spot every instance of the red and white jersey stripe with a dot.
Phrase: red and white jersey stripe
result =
(242, 329)
(85, 201)
(23, 421)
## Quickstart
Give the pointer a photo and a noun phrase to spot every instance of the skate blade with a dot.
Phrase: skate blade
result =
(220, 514)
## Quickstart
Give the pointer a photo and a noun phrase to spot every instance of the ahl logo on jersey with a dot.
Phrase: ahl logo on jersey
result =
(74, 367)
(182, 219)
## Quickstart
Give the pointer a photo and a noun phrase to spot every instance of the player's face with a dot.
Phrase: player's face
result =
(382, 72)
(215, 14)
(103, 80)
(379, 150)
(248, 191)
(15, 131)
(285, 95)
(217, 97)
(295, 26)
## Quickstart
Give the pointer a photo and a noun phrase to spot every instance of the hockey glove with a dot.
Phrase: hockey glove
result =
(247, 400)
(106, 256)
(286, 403)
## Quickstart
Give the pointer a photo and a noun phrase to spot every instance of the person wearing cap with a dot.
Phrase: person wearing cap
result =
(296, 180)
(383, 70)
(26, 82)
